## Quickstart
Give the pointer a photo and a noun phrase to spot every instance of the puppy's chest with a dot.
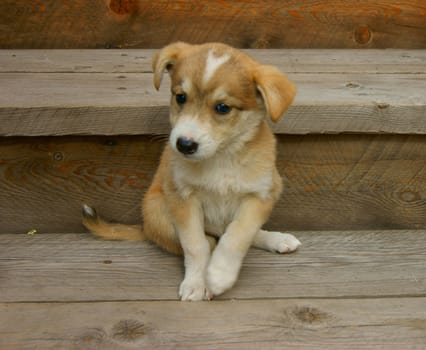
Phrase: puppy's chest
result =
(220, 188)
(219, 211)
(225, 179)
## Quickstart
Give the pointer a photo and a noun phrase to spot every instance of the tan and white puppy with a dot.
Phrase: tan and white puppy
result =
(217, 176)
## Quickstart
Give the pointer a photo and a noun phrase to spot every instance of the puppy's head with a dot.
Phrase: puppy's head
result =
(219, 97)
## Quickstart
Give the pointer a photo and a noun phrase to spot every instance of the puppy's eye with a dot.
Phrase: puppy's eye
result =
(222, 108)
(181, 99)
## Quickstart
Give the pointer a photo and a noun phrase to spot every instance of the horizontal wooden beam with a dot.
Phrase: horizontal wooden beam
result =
(370, 61)
(379, 323)
(40, 96)
(330, 181)
(247, 24)
(78, 267)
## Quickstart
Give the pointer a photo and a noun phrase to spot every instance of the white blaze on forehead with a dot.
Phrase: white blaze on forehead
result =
(186, 85)
(212, 64)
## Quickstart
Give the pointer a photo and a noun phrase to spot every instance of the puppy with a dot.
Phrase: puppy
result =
(217, 176)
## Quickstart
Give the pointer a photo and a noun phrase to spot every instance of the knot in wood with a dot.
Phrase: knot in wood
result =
(382, 105)
(129, 330)
(352, 85)
(261, 43)
(362, 35)
(110, 143)
(410, 196)
(309, 315)
(93, 337)
(122, 7)
(58, 156)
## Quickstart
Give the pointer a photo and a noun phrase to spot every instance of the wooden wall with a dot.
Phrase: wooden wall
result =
(330, 181)
(244, 24)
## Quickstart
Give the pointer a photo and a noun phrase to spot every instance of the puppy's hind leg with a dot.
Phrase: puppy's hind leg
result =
(158, 227)
(276, 242)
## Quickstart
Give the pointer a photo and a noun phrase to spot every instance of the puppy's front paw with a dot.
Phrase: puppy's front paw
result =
(220, 277)
(192, 289)
(282, 242)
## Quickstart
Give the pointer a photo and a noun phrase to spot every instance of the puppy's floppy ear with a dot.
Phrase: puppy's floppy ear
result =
(277, 91)
(165, 59)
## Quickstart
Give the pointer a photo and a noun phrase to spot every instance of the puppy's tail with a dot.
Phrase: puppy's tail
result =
(109, 231)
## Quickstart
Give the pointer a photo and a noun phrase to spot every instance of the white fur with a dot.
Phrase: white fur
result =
(187, 85)
(192, 128)
(220, 183)
(212, 64)
(219, 211)
(276, 242)
(193, 286)
(223, 270)
(197, 255)
(223, 175)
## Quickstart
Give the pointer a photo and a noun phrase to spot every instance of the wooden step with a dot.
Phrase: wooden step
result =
(340, 290)
(372, 175)
(110, 92)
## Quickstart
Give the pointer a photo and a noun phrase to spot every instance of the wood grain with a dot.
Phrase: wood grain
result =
(370, 61)
(261, 324)
(43, 179)
(352, 181)
(110, 92)
(245, 24)
(330, 181)
(101, 90)
(77, 267)
(45, 104)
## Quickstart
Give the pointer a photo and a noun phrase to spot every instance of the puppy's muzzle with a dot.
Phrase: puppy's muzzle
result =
(186, 146)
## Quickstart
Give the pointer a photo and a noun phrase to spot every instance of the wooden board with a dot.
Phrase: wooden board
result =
(347, 290)
(79, 268)
(330, 182)
(49, 95)
(340, 290)
(370, 61)
(248, 24)
(392, 324)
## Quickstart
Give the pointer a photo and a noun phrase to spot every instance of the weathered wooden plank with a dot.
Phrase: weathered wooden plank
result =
(330, 182)
(114, 103)
(248, 24)
(136, 90)
(352, 181)
(69, 170)
(288, 60)
(260, 324)
(77, 267)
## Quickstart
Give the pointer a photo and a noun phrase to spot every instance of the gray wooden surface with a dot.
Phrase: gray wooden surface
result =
(290, 60)
(110, 92)
(341, 290)
(379, 323)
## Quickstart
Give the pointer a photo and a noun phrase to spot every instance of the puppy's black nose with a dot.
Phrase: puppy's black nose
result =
(186, 146)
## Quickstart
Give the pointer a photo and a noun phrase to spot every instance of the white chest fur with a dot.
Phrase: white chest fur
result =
(220, 184)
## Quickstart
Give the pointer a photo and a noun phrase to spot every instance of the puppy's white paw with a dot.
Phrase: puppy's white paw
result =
(220, 277)
(282, 242)
(192, 289)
